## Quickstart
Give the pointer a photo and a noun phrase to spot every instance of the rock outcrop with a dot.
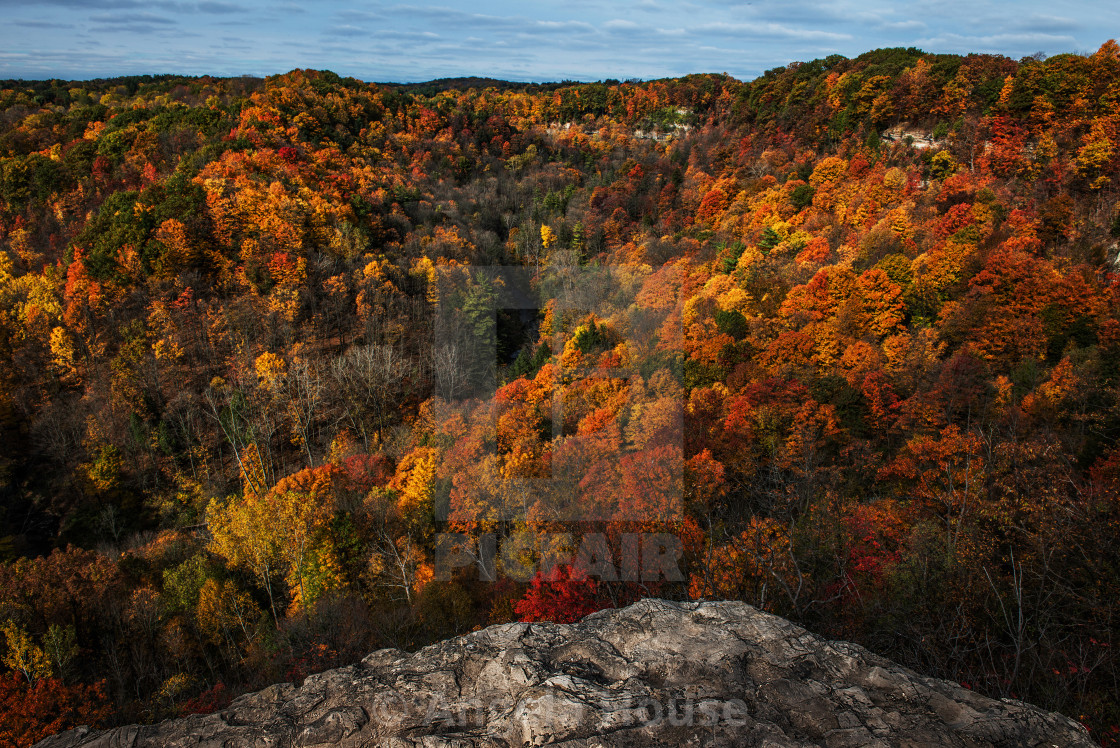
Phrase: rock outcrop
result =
(918, 139)
(655, 673)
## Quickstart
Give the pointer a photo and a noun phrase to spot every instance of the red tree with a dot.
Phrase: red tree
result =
(565, 595)
(30, 712)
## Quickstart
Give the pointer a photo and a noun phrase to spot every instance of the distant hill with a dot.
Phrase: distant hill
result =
(432, 87)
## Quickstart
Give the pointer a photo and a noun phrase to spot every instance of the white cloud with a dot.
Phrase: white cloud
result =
(770, 30)
(1008, 44)
(902, 26)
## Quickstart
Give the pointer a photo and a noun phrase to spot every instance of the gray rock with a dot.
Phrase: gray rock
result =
(655, 673)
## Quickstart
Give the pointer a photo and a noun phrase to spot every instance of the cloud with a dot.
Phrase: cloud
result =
(219, 8)
(1007, 44)
(358, 16)
(804, 11)
(582, 26)
(345, 31)
(766, 30)
(141, 29)
(1047, 24)
(91, 4)
(456, 19)
(205, 7)
(41, 24)
(902, 26)
(121, 18)
(411, 37)
(544, 40)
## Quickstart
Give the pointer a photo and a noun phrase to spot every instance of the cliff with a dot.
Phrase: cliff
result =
(655, 673)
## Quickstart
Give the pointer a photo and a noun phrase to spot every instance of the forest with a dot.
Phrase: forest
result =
(849, 333)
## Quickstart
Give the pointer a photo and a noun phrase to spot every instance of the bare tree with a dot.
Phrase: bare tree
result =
(245, 417)
(396, 561)
(448, 364)
(372, 380)
(303, 388)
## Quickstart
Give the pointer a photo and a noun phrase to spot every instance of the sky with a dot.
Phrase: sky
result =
(532, 40)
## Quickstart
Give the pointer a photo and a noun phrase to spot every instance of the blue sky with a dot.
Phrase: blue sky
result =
(531, 40)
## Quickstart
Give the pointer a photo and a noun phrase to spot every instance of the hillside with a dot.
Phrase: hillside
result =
(294, 369)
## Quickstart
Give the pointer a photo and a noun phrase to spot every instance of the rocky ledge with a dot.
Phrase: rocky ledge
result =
(655, 673)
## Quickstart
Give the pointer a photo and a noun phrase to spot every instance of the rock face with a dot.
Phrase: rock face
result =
(655, 673)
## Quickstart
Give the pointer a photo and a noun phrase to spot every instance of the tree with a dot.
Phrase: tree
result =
(566, 595)
(246, 533)
(23, 655)
(882, 302)
(373, 378)
(304, 393)
(32, 712)
(946, 472)
(397, 561)
(225, 614)
(1097, 151)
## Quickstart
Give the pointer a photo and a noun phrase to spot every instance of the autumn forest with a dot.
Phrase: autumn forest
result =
(848, 334)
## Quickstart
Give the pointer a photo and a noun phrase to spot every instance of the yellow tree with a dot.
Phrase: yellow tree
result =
(285, 532)
(23, 655)
(310, 566)
(223, 610)
(415, 476)
(247, 535)
(1097, 150)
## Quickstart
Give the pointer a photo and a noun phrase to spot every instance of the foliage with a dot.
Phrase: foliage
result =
(31, 712)
(871, 386)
